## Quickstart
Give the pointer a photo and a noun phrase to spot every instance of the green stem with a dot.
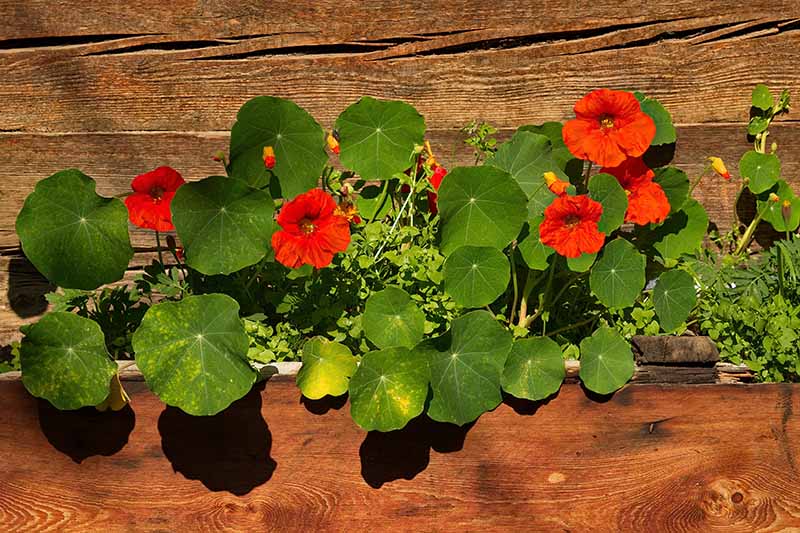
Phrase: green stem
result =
(381, 201)
(698, 180)
(158, 246)
(751, 229)
(587, 171)
(514, 283)
(530, 283)
(571, 326)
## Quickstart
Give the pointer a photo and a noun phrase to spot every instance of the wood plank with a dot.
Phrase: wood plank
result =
(113, 159)
(512, 74)
(653, 458)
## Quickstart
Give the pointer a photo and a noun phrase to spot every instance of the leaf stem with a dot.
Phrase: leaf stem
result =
(698, 180)
(514, 283)
(158, 246)
(751, 229)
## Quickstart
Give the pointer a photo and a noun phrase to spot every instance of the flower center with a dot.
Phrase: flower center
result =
(306, 226)
(157, 192)
(571, 221)
(606, 122)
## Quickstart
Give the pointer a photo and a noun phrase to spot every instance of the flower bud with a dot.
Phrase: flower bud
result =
(219, 156)
(786, 211)
(719, 167)
(269, 157)
(774, 197)
(556, 186)
(333, 142)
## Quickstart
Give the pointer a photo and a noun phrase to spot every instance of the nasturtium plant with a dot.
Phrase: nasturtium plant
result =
(480, 206)
(64, 360)
(377, 138)
(412, 287)
(192, 353)
(223, 224)
(76, 238)
(388, 389)
(296, 139)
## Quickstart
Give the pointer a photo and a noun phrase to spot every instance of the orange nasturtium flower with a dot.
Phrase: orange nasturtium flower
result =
(719, 167)
(570, 226)
(148, 206)
(609, 126)
(311, 231)
(647, 202)
(269, 157)
(557, 186)
(348, 210)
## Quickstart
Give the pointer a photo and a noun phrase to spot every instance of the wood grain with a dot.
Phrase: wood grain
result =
(652, 458)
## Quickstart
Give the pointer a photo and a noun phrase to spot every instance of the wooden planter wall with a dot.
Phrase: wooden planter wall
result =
(117, 88)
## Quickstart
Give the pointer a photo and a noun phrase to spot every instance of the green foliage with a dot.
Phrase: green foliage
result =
(76, 238)
(534, 369)
(480, 135)
(665, 131)
(476, 276)
(762, 170)
(526, 157)
(327, 367)
(618, 276)
(605, 188)
(606, 361)
(391, 319)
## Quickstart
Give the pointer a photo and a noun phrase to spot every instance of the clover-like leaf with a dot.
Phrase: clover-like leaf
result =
(682, 232)
(606, 361)
(675, 184)
(294, 135)
(391, 318)
(762, 97)
(388, 389)
(377, 138)
(327, 367)
(534, 368)
(665, 131)
(74, 237)
(533, 251)
(466, 365)
(526, 157)
(605, 188)
(480, 206)
(224, 224)
(476, 275)
(763, 170)
(617, 277)
(783, 215)
(64, 360)
(193, 353)
(674, 297)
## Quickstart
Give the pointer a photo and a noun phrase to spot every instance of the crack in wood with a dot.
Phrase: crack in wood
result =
(66, 41)
(162, 46)
(359, 47)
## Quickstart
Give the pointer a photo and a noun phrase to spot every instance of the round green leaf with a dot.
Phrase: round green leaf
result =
(757, 125)
(466, 365)
(682, 232)
(665, 131)
(674, 297)
(294, 135)
(64, 360)
(391, 318)
(605, 188)
(480, 206)
(617, 277)
(377, 138)
(388, 389)
(75, 238)
(476, 275)
(193, 353)
(762, 98)
(776, 213)
(763, 170)
(533, 251)
(374, 202)
(527, 156)
(675, 184)
(327, 367)
(534, 369)
(606, 361)
(224, 224)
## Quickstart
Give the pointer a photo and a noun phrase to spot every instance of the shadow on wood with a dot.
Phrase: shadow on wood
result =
(325, 404)
(229, 451)
(26, 288)
(404, 453)
(86, 432)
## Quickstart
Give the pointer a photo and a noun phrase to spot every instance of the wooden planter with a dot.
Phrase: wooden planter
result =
(655, 456)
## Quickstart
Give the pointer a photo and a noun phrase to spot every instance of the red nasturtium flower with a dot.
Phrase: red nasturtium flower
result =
(647, 202)
(269, 157)
(557, 186)
(570, 226)
(311, 231)
(439, 172)
(148, 206)
(609, 126)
